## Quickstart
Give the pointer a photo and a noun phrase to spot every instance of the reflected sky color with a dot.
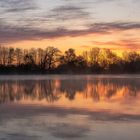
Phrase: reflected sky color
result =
(117, 95)
(79, 24)
(70, 107)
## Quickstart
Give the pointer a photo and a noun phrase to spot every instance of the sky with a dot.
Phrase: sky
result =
(78, 24)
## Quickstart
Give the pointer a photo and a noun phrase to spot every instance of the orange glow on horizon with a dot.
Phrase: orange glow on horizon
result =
(82, 43)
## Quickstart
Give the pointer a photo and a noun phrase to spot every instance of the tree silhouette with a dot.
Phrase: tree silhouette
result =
(52, 60)
(18, 56)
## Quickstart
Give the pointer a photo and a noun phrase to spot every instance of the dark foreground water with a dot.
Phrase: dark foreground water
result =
(70, 107)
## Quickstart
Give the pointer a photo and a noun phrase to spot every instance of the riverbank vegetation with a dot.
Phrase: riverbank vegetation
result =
(52, 60)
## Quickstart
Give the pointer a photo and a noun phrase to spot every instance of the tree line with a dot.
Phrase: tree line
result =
(52, 60)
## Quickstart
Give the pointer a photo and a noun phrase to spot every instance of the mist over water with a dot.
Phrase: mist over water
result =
(70, 107)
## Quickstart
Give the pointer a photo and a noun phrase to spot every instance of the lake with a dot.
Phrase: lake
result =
(98, 107)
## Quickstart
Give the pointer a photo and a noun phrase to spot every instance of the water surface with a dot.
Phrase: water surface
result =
(70, 107)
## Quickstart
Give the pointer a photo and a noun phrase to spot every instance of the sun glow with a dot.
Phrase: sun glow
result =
(116, 41)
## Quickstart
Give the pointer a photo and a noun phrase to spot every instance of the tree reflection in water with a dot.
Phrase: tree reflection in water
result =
(53, 90)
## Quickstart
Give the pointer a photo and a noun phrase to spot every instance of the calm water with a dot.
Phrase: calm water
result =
(70, 107)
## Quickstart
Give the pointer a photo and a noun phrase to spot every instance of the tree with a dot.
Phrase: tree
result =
(40, 57)
(80, 62)
(28, 60)
(131, 56)
(107, 58)
(94, 56)
(131, 61)
(85, 56)
(18, 56)
(33, 53)
(11, 56)
(70, 56)
(4, 55)
(50, 58)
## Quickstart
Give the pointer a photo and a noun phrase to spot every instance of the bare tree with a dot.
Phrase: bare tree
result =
(94, 55)
(19, 56)
(11, 56)
(50, 58)
(70, 55)
(4, 55)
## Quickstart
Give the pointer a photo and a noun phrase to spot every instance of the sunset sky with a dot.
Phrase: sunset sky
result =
(78, 24)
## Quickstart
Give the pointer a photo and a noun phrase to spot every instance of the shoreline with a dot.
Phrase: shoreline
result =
(68, 77)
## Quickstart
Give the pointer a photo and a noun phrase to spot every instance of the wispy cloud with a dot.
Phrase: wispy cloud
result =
(67, 12)
(17, 5)
(13, 33)
(44, 19)
(132, 44)
(115, 25)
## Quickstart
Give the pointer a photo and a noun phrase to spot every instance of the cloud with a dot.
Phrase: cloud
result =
(67, 12)
(12, 6)
(115, 26)
(98, 1)
(125, 44)
(14, 33)
(31, 13)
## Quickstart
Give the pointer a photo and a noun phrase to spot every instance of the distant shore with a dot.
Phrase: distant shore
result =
(52, 61)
